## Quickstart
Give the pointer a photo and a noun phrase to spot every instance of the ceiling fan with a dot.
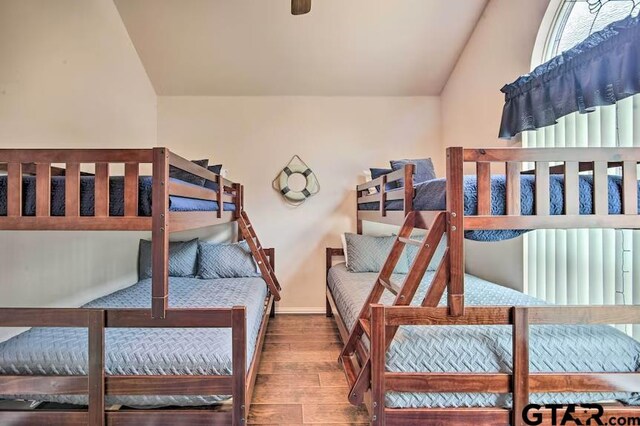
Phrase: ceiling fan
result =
(300, 7)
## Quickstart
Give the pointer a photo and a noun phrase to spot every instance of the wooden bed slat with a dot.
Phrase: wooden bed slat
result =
(83, 223)
(551, 154)
(449, 382)
(455, 229)
(513, 188)
(169, 385)
(96, 367)
(409, 190)
(520, 377)
(382, 205)
(14, 189)
(378, 365)
(239, 363)
(131, 190)
(483, 173)
(554, 222)
(600, 188)
(43, 189)
(43, 385)
(542, 188)
(160, 233)
(571, 188)
(630, 187)
(410, 315)
(76, 155)
(43, 317)
(503, 383)
(72, 190)
(185, 318)
(102, 190)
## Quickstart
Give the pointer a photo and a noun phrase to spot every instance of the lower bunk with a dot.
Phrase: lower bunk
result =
(196, 366)
(446, 351)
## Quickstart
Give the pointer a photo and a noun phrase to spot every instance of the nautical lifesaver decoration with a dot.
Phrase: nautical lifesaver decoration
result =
(292, 195)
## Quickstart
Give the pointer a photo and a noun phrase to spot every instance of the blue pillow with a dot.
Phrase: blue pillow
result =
(423, 172)
(226, 261)
(185, 176)
(376, 173)
(217, 168)
(366, 253)
(183, 257)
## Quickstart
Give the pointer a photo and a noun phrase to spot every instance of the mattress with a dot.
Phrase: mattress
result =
(487, 349)
(116, 197)
(199, 351)
(431, 195)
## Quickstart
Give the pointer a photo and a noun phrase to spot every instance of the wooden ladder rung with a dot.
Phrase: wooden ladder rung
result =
(349, 370)
(392, 287)
(409, 241)
(366, 326)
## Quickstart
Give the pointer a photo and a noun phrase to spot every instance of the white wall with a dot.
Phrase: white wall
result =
(69, 77)
(254, 137)
(498, 51)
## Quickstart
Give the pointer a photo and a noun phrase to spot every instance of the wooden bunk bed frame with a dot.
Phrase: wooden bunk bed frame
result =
(365, 367)
(38, 162)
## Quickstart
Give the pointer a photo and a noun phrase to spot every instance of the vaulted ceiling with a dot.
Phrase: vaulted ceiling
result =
(341, 48)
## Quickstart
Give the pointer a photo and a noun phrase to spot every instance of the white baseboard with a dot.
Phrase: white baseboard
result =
(300, 311)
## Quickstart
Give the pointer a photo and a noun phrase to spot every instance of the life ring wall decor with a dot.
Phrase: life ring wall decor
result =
(296, 167)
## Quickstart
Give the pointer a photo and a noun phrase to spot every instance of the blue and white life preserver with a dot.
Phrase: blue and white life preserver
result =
(297, 196)
(296, 167)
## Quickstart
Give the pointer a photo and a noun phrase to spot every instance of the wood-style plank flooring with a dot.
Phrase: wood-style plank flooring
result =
(300, 380)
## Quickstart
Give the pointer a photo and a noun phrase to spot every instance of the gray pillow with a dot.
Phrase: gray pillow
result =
(183, 257)
(226, 261)
(182, 175)
(423, 172)
(412, 251)
(366, 253)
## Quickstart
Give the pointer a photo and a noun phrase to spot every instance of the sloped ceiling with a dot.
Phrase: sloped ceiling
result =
(341, 48)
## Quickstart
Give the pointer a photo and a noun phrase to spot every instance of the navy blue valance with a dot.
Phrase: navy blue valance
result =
(601, 70)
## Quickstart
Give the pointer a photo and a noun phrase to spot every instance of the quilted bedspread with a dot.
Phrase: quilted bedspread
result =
(431, 195)
(486, 349)
(116, 197)
(199, 351)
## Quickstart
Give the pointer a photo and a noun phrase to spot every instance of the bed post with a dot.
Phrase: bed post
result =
(239, 366)
(160, 233)
(271, 253)
(328, 264)
(96, 320)
(358, 220)
(408, 188)
(378, 354)
(455, 229)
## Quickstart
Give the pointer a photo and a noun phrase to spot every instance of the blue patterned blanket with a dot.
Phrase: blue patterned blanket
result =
(116, 197)
(143, 351)
(431, 195)
(487, 349)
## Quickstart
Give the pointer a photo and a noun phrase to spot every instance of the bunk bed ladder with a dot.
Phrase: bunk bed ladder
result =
(359, 379)
(249, 234)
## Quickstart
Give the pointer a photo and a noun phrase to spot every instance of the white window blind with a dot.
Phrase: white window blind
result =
(594, 266)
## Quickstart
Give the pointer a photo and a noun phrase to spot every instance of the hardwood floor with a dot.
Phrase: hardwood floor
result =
(300, 380)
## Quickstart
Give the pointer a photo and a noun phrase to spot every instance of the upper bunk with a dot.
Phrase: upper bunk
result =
(541, 188)
(48, 189)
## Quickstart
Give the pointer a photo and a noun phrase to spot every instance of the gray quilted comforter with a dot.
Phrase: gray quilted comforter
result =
(49, 351)
(484, 349)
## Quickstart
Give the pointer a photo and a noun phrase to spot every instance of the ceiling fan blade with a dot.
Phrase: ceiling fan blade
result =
(300, 7)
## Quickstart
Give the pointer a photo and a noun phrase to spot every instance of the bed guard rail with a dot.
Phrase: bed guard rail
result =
(96, 385)
(521, 382)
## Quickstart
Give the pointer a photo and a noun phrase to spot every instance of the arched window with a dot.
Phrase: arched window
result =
(599, 266)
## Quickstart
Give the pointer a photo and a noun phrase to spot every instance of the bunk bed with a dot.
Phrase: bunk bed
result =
(37, 194)
(386, 306)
